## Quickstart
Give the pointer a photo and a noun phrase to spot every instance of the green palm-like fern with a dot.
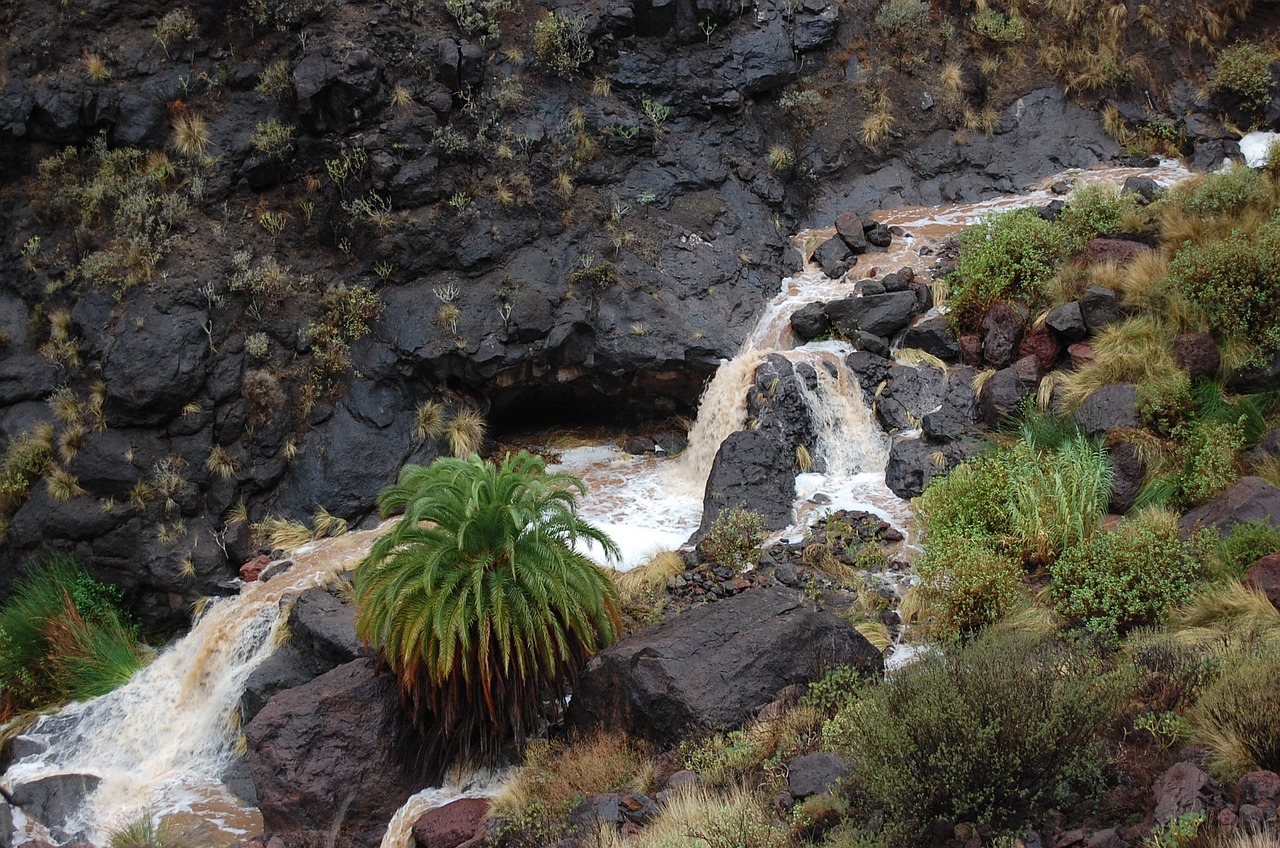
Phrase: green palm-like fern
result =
(478, 601)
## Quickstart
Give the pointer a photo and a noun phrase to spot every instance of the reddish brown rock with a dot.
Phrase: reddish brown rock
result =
(251, 570)
(459, 824)
(1118, 251)
(1264, 575)
(1197, 354)
(1081, 354)
(1044, 345)
(971, 350)
(849, 228)
(1261, 789)
(1183, 789)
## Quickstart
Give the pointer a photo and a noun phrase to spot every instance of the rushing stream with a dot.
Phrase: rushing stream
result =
(164, 741)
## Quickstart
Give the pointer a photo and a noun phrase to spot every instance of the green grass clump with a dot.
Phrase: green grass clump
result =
(63, 637)
(1057, 497)
(1010, 256)
(1247, 543)
(146, 832)
(1118, 580)
(987, 734)
(734, 539)
(24, 462)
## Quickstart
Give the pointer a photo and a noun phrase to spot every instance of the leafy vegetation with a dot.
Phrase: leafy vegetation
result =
(63, 637)
(1010, 256)
(734, 539)
(479, 602)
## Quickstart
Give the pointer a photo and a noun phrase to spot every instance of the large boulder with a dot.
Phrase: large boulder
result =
(751, 471)
(52, 800)
(878, 314)
(934, 336)
(1067, 321)
(1100, 307)
(322, 636)
(1128, 474)
(1108, 408)
(1183, 789)
(714, 666)
(1250, 499)
(1002, 329)
(155, 362)
(1264, 576)
(908, 395)
(1004, 390)
(913, 463)
(319, 758)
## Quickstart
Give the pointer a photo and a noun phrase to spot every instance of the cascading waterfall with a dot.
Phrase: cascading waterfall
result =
(164, 740)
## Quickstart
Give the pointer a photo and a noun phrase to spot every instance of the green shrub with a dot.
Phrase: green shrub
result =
(1235, 717)
(967, 584)
(25, 461)
(479, 17)
(1246, 544)
(908, 18)
(560, 43)
(734, 539)
(999, 26)
(1009, 256)
(1227, 193)
(1236, 282)
(1243, 70)
(1091, 212)
(273, 138)
(1209, 450)
(987, 734)
(1115, 581)
(63, 637)
(970, 501)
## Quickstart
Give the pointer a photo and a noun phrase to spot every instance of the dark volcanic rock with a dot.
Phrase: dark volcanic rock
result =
(849, 228)
(1183, 789)
(1005, 389)
(1250, 499)
(317, 753)
(1257, 379)
(909, 393)
(52, 800)
(810, 321)
(155, 366)
(870, 369)
(1108, 408)
(746, 474)
(934, 336)
(913, 463)
(813, 774)
(957, 412)
(834, 258)
(1002, 329)
(879, 314)
(1100, 308)
(1067, 321)
(1145, 187)
(714, 666)
(1264, 576)
(1128, 474)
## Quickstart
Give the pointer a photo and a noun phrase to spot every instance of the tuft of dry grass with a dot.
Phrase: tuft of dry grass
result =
(466, 432)
(650, 577)
(190, 135)
(1137, 351)
(283, 533)
(558, 774)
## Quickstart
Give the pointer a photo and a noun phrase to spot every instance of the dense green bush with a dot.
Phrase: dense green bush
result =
(1115, 581)
(1243, 70)
(1009, 256)
(987, 734)
(1091, 212)
(967, 584)
(1236, 282)
(1227, 193)
(971, 501)
(734, 539)
(1246, 544)
(63, 637)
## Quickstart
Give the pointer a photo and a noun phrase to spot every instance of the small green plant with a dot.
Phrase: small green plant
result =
(1176, 832)
(1166, 728)
(656, 112)
(1243, 71)
(734, 539)
(906, 18)
(967, 584)
(482, 18)
(273, 138)
(275, 82)
(780, 158)
(999, 26)
(175, 27)
(560, 43)
(146, 831)
(1247, 542)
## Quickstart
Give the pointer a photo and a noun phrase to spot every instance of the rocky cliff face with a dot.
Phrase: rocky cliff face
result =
(259, 255)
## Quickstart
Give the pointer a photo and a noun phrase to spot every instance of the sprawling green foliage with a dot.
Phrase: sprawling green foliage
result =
(1246, 544)
(63, 637)
(966, 583)
(734, 539)
(1009, 256)
(478, 600)
(1244, 71)
(1236, 282)
(1114, 581)
(985, 734)
(1093, 211)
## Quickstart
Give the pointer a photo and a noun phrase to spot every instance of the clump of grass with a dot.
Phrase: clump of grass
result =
(190, 134)
(1058, 498)
(146, 831)
(429, 420)
(1234, 717)
(326, 524)
(283, 533)
(650, 577)
(780, 157)
(63, 637)
(221, 463)
(466, 432)
(25, 461)
(1138, 351)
